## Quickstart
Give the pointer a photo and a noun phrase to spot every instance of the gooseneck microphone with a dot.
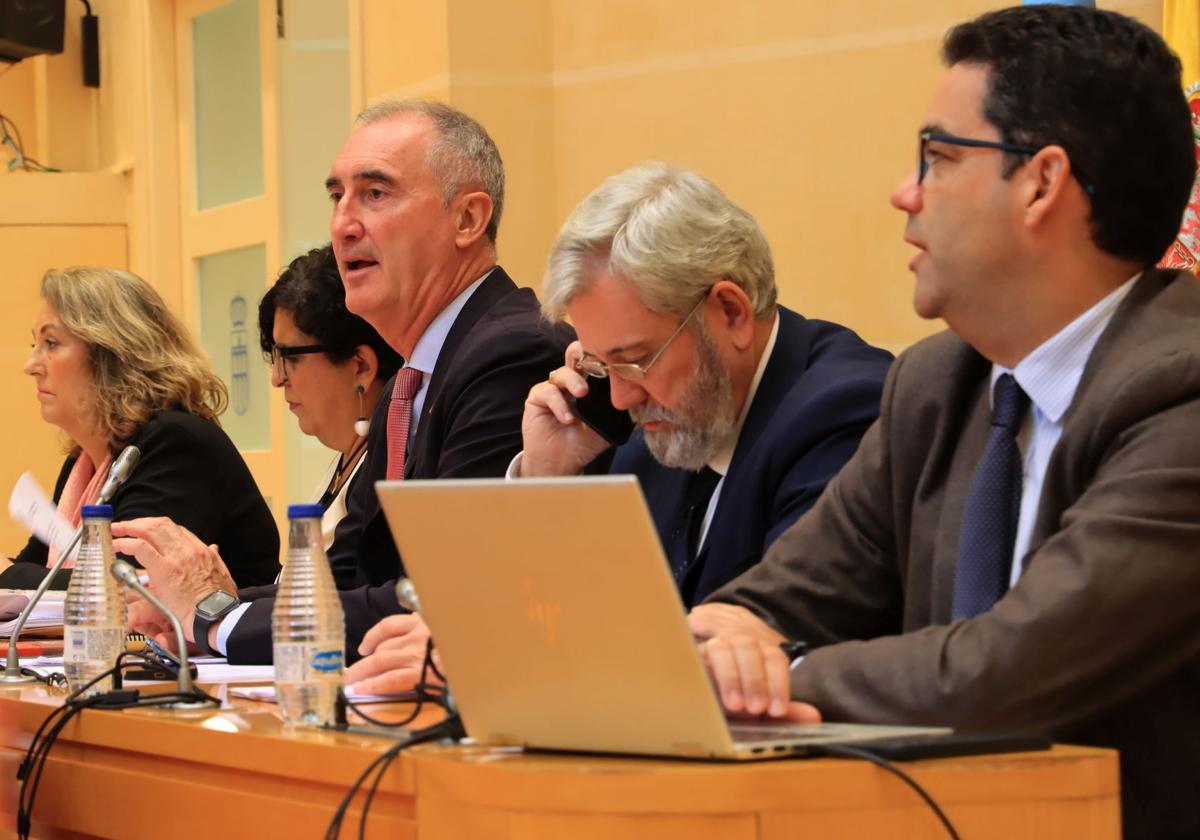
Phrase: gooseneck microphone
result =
(126, 574)
(406, 594)
(117, 474)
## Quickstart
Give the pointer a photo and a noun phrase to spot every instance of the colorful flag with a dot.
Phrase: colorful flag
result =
(1181, 28)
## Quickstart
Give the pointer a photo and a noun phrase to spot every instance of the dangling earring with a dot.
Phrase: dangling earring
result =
(362, 425)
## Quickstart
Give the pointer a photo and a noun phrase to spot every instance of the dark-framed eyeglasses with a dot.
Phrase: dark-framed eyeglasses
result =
(281, 356)
(925, 137)
(631, 371)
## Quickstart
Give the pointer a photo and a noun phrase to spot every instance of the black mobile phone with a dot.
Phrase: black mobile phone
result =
(596, 409)
(159, 664)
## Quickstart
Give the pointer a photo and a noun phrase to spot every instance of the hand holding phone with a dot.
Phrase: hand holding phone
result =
(595, 408)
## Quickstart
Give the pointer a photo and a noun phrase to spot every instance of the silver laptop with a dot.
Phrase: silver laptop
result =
(559, 625)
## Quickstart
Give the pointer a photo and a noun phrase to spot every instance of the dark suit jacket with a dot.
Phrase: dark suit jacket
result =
(191, 472)
(1099, 641)
(497, 349)
(819, 393)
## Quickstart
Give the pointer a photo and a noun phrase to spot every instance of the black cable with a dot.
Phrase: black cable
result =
(19, 142)
(425, 693)
(451, 728)
(89, 7)
(436, 732)
(9, 128)
(29, 772)
(843, 751)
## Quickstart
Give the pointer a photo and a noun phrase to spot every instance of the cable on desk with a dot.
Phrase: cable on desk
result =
(426, 693)
(843, 751)
(451, 728)
(29, 773)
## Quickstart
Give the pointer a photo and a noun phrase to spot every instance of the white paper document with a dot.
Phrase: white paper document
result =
(48, 612)
(30, 506)
(266, 694)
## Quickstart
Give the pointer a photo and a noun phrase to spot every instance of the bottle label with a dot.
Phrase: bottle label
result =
(306, 662)
(91, 644)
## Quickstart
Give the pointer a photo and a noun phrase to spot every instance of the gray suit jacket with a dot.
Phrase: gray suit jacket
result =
(1099, 641)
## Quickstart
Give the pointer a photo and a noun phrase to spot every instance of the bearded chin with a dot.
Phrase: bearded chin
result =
(704, 420)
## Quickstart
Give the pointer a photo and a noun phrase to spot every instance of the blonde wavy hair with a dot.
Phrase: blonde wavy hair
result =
(143, 359)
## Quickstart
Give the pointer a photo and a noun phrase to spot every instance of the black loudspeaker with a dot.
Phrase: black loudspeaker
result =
(30, 27)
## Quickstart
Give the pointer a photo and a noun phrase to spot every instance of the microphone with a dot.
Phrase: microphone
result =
(117, 474)
(126, 574)
(406, 594)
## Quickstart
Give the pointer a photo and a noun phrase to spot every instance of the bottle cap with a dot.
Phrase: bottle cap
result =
(97, 512)
(308, 511)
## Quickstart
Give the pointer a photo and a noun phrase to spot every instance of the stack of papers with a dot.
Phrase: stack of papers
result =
(48, 614)
(266, 694)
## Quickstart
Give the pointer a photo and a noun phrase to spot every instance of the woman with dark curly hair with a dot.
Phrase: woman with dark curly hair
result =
(331, 365)
(114, 367)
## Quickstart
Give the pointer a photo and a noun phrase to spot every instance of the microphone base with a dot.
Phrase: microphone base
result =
(16, 680)
(191, 705)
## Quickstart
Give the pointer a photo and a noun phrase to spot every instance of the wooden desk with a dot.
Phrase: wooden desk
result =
(239, 773)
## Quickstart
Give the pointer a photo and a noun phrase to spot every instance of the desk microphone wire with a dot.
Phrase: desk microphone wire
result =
(843, 751)
(451, 728)
(29, 772)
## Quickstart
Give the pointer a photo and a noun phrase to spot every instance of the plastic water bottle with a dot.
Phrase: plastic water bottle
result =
(94, 609)
(307, 627)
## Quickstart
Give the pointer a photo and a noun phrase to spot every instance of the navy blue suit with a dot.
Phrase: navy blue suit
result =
(818, 395)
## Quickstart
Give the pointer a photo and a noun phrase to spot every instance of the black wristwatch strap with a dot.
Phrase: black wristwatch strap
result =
(202, 624)
(793, 649)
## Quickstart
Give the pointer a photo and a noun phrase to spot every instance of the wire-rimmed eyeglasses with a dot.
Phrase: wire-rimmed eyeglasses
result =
(632, 371)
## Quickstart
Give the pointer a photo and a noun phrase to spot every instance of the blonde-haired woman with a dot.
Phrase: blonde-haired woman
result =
(115, 367)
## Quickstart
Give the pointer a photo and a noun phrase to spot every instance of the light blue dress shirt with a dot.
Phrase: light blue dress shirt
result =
(1050, 376)
(424, 358)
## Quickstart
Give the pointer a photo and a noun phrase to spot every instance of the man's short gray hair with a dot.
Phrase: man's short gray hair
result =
(463, 156)
(671, 232)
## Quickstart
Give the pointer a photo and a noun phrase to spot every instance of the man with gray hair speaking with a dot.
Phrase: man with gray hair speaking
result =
(744, 409)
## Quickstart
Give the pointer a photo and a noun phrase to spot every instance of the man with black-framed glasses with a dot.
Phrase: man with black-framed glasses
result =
(1016, 543)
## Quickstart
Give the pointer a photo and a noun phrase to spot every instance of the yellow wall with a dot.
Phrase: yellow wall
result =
(40, 228)
(802, 111)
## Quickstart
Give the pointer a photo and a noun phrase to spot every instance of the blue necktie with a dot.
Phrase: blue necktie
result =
(989, 526)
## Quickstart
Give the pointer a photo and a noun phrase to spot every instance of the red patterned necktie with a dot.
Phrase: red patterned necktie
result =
(408, 382)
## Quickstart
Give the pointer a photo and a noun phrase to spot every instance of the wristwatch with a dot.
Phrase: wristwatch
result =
(794, 649)
(211, 609)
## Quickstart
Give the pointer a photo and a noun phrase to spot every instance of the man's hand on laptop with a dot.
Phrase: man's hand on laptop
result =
(555, 441)
(715, 620)
(749, 670)
(752, 678)
(393, 653)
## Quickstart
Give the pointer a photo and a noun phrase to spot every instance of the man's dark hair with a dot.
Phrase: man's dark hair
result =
(311, 289)
(1104, 87)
